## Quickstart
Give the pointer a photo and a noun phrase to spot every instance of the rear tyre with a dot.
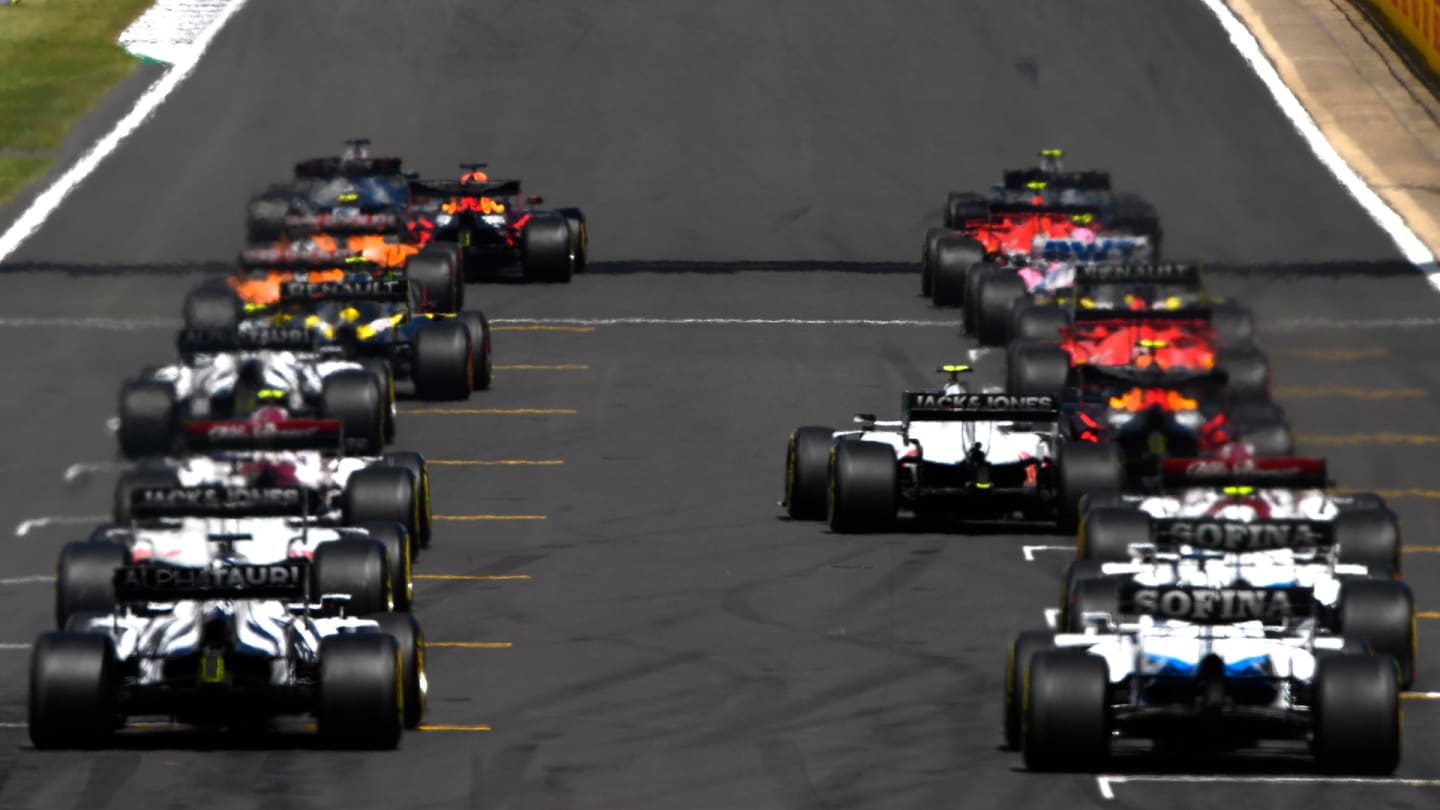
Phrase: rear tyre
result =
(147, 419)
(385, 377)
(1036, 369)
(481, 371)
(382, 494)
(928, 251)
(954, 256)
(1031, 321)
(807, 470)
(85, 578)
(964, 207)
(420, 470)
(998, 293)
(212, 308)
(1247, 370)
(72, 690)
(1270, 439)
(546, 250)
(1076, 571)
(1066, 717)
(1356, 715)
(1233, 324)
(411, 640)
(1086, 467)
(1106, 535)
(354, 399)
(1382, 612)
(357, 568)
(443, 363)
(1021, 651)
(361, 700)
(579, 239)
(864, 487)
(1369, 537)
(436, 271)
(1095, 595)
(398, 554)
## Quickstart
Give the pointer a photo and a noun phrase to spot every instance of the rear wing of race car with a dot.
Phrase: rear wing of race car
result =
(289, 580)
(928, 406)
(212, 501)
(1272, 606)
(1089, 180)
(327, 167)
(1089, 276)
(1106, 248)
(283, 259)
(458, 188)
(341, 223)
(286, 434)
(206, 341)
(1275, 473)
(1213, 534)
(364, 289)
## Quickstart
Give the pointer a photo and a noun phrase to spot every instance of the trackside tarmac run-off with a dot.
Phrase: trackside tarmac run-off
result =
(677, 642)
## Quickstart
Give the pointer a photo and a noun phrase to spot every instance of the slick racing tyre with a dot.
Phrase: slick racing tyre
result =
(1234, 325)
(436, 270)
(362, 694)
(1076, 571)
(1247, 371)
(420, 470)
(443, 366)
(1382, 613)
(72, 690)
(1136, 215)
(954, 256)
(398, 555)
(1094, 595)
(213, 308)
(147, 419)
(385, 376)
(355, 399)
(405, 629)
(1356, 715)
(1268, 439)
(132, 481)
(1032, 321)
(1066, 716)
(482, 373)
(864, 487)
(807, 469)
(997, 294)
(579, 239)
(265, 215)
(1036, 369)
(978, 272)
(929, 248)
(383, 494)
(1369, 537)
(1021, 651)
(85, 578)
(1106, 535)
(964, 207)
(1085, 467)
(356, 568)
(546, 250)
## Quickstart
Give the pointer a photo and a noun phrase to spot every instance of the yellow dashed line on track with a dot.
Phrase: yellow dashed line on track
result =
(544, 367)
(1427, 614)
(1341, 355)
(487, 517)
(1369, 438)
(472, 645)
(1420, 695)
(473, 577)
(490, 412)
(498, 462)
(529, 327)
(436, 727)
(1343, 392)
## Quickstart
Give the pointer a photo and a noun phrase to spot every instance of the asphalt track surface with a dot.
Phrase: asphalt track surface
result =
(676, 642)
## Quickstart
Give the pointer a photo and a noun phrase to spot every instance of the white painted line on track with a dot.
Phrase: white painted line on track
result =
(1029, 551)
(1052, 618)
(50, 199)
(103, 324)
(1410, 245)
(33, 579)
(1106, 782)
(82, 469)
(13, 725)
(1303, 324)
(723, 322)
(25, 526)
(12, 647)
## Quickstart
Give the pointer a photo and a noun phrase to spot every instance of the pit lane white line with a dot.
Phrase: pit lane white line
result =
(50, 199)
(1029, 551)
(1410, 245)
(103, 324)
(25, 526)
(1106, 782)
(81, 469)
(723, 322)
(33, 579)
(13, 647)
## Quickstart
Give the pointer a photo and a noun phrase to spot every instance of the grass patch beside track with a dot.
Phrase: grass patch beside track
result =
(58, 58)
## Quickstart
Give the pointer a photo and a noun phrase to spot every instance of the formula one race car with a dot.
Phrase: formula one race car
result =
(230, 374)
(496, 227)
(231, 645)
(1221, 667)
(1047, 185)
(1151, 414)
(191, 527)
(965, 456)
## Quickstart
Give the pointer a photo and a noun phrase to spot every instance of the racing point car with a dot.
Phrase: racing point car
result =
(232, 645)
(1151, 414)
(1115, 318)
(191, 527)
(1204, 667)
(270, 449)
(496, 227)
(230, 374)
(964, 456)
(382, 321)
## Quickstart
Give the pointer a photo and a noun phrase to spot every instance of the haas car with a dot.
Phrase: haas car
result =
(1218, 668)
(232, 373)
(971, 457)
(232, 645)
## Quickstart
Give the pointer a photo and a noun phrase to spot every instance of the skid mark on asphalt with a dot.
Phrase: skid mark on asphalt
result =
(1343, 392)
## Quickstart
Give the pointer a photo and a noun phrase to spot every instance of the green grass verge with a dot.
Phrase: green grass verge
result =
(57, 59)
